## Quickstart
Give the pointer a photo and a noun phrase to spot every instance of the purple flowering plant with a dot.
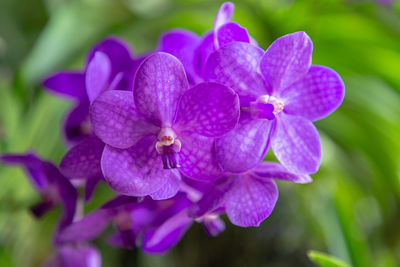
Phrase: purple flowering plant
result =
(180, 135)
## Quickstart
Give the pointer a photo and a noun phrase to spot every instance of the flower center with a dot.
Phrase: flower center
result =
(168, 147)
(266, 107)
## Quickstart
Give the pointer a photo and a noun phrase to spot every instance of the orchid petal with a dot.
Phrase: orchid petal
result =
(245, 146)
(315, 96)
(198, 160)
(273, 170)
(98, 75)
(136, 171)
(83, 160)
(116, 121)
(67, 83)
(159, 84)
(167, 235)
(168, 190)
(250, 200)
(236, 66)
(232, 32)
(88, 228)
(209, 109)
(287, 60)
(296, 144)
(182, 44)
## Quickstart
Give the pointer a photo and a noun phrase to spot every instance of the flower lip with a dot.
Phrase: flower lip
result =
(168, 147)
(266, 107)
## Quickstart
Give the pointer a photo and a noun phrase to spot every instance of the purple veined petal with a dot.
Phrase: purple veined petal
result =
(88, 228)
(77, 125)
(224, 15)
(83, 160)
(251, 200)
(159, 84)
(32, 165)
(209, 109)
(166, 235)
(67, 83)
(75, 256)
(201, 54)
(136, 171)
(245, 146)
(116, 121)
(98, 75)
(118, 52)
(182, 44)
(213, 198)
(274, 170)
(295, 143)
(169, 189)
(287, 60)
(231, 32)
(316, 95)
(90, 186)
(197, 157)
(236, 66)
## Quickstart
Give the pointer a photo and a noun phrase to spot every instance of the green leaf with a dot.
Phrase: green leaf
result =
(325, 260)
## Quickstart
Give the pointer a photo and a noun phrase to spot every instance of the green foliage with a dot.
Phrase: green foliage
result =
(324, 260)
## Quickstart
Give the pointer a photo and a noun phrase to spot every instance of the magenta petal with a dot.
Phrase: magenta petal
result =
(97, 75)
(232, 32)
(159, 84)
(169, 189)
(274, 170)
(213, 198)
(136, 171)
(209, 109)
(167, 234)
(287, 60)
(69, 84)
(182, 44)
(245, 146)
(203, 51)
(315, 96)
(116, 121)
(88, 228)
(90, 186)
(236, 65)
(118, 52)
(83, 160)
(224, 15)
(251, 200)
(198, 159)
(76, 124)
(296, 144)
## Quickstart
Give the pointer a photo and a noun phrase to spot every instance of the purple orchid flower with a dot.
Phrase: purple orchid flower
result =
(164, 126)
(119, 211)
(248, 198)
(53, 187)
(75, 256)
(156, 226)
(109, 66)
(281, 94)
(193, 50)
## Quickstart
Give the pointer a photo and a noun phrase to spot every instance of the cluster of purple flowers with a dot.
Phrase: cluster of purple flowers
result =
(180, 135)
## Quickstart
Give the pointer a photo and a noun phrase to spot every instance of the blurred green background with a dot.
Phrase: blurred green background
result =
(350, 211)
